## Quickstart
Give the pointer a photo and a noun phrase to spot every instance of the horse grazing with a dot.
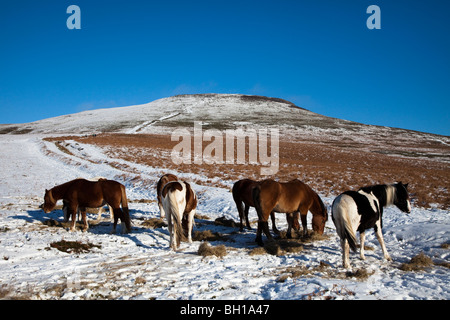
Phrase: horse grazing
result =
(361, 210)
(81, 193)
(99, 212)
(180, 203)
(291, 197)
(242, 193)
(161, 183)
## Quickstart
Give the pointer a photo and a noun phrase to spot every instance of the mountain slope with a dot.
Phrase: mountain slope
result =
(219, 110)
(228, 111)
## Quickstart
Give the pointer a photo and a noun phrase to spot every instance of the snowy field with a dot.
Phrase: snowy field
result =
(140, 265)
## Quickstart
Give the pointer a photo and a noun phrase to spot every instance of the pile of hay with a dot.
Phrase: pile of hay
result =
(279, 247)
(205, 250)
(419, 262)
(73, 246)
(154, 223)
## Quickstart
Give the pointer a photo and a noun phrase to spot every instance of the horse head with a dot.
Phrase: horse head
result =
(320, 217)
(49, 202)
(402, 197)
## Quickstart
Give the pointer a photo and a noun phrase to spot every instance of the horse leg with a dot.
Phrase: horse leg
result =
(303, 213)
(295, 223)
(99, 213)
(117, 212)
(241, 213)
(274, 227)
(266, 230)
(170, 227)
(73, 212)
(162, 213)
(381, 241)
(345, 253)
(290, 220)
(362, 236)
(246, 217)
(83, 217)
(262, 226)
(190, 225)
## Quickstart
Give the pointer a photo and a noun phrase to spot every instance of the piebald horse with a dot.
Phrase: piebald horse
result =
(179, 202)
(161, 183)
(291, 197)
(363, 209)
(81, 193)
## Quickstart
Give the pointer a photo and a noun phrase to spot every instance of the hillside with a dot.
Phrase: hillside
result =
(230, 111)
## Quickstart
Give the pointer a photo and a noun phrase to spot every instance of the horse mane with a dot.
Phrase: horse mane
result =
(57, 192)
(321, 207)
(386, 194)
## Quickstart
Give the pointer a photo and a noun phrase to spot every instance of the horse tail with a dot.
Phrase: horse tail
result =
(125, 210)
(341, 219)
(174, 212)
(256, 195)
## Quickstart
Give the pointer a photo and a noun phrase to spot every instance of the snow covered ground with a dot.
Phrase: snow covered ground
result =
(140, 265)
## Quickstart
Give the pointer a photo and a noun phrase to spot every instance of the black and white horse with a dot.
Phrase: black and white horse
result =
(363, 209)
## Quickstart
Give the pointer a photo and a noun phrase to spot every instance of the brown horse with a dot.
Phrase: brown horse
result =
(81, 193)
(161, 183)
(290, 197)
(242, 193)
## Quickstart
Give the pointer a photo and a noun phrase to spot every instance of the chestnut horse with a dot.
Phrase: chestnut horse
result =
(99, 212)
(161, 183)
(180, 203)
(242, 193)
(81, 193)
(291, 197)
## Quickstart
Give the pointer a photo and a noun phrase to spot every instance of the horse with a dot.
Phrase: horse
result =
(81, 193)
(161, 183)
(363, 209)
(99, 212)
(180, 203)
(242, 193)
(291, 197)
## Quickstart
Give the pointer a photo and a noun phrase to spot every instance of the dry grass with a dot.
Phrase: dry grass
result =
(328, 166)
(154, 223)
(417, 263)
(205, 250)
(208, 235)
(283, 245)
(73, 246)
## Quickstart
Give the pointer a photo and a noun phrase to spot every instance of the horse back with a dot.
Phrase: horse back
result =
(295, 194)
(100, 192)
(84, 193)
(367, 208)
(171, 187)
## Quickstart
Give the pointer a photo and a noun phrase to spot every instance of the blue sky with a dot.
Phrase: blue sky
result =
(318, 54)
